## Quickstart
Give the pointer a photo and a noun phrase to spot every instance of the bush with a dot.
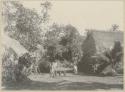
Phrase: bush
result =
(89, 49)
(8, 65)
(44, 67)
(119, 68)
(11, 69)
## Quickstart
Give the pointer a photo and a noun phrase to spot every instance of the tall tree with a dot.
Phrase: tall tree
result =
(116, 53)
(88, 46)
(23, 24)
(66, 41)
(89, 49)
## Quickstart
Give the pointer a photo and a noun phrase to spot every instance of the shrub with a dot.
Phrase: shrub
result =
(8, 65)
(89, 49)
(44, 67)
(12, 71)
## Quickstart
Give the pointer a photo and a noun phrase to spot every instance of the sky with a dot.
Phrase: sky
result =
(83, 15)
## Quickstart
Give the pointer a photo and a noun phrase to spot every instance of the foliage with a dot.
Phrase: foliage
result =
(88, 46)
(63, 43)
(117, 52)
(23, 24)
(44, 67)
(117, 56)
(115, 27)
(9, 66)
(12, 68)
(89, 49)
(113, 58)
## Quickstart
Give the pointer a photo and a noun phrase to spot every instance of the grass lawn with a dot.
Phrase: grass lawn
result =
(68, 82)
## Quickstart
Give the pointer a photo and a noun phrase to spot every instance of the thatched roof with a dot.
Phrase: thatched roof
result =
(105, 39)
(8, 42)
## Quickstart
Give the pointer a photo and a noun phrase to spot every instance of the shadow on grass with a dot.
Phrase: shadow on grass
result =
(36, 85)
(93, 86)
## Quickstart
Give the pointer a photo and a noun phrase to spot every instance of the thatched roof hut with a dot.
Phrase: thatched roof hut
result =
(8, 42)
(106, 39)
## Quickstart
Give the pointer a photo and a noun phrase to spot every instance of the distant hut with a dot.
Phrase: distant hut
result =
(106, 39)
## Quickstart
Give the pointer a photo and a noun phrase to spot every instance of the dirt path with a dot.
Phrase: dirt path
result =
(71, 82)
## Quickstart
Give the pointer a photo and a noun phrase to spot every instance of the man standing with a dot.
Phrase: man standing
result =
(75, 68)
(53, 69)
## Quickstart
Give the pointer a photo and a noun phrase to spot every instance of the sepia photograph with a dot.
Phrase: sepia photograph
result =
(62, 45)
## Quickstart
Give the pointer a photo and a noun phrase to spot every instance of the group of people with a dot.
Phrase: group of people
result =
(57, 68)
